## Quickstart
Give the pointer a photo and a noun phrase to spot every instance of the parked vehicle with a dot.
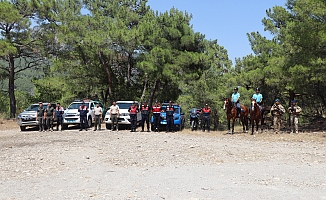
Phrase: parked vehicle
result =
(179, 119)
(71, 115)
(194, 118)
(28, 117)
(124, 118)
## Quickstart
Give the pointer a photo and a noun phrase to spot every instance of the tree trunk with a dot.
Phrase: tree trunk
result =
(106, 69)
(12, 87)
(154, 88)
(145, 88)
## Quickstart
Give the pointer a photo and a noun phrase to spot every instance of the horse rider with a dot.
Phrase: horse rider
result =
(206, 118)
(235, 98)
(259, 98)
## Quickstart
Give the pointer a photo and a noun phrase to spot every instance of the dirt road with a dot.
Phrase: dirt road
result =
(182, 165)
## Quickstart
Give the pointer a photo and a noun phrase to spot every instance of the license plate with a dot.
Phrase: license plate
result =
(163, 122)
(71, 120)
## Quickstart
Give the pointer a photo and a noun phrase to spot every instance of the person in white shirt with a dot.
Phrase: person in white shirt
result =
(114, 114)
(98, 117)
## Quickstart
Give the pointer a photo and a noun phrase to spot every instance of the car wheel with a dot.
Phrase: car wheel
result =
(108, 126)
(23, 128)
(89, 122)
(65, 126)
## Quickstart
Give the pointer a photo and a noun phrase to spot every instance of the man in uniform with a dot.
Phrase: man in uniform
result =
(114, 115)
(235, 99)
(258, 97)
(277, 110)
(145, 110)
(156, 115)
(59, 113)
(206, 118)
(49, 117)
(98, 117)
(294, 111)
(169, 110)
(40, 116)
(133, 110)
(83, 116)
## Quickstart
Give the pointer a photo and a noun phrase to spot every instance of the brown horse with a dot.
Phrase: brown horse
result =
(256, 116)
(231, 113)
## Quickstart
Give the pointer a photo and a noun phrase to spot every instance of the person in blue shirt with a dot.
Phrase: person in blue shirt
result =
(236, 100)
(259, 98)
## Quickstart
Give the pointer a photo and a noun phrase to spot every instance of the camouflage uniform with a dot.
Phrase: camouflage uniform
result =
(294, 111)
(277, 111)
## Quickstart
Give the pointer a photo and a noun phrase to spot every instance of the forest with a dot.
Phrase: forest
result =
(62, 50)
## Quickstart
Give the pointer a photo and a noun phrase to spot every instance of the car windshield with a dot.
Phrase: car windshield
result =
(124, 105)
(75, 105)
(34, 107)
(176, 109)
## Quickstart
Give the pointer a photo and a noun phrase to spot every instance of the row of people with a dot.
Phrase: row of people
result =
(46, 116)
(277, 110)
(156, 110)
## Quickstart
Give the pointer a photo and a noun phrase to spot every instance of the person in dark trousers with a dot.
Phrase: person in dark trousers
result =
(59, 115)
(156, 109)
(145, 111)
(133, 110)
(49, 117)
(206, 118)
(40, 116)
(83, 116)
(169, 110)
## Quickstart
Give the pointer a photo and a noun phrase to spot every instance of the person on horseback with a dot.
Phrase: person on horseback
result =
(259, 98)
(236, 100)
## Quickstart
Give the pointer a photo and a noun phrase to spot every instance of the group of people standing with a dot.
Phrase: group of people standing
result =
(46, 116)
(277, 110)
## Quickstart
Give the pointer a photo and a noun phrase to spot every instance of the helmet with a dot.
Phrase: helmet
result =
(236, 88)
(257, 89)
(277, 100)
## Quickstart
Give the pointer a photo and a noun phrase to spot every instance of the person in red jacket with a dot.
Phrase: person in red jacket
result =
(133, 110)
(145, 110)
(156, 109)
(206, 118)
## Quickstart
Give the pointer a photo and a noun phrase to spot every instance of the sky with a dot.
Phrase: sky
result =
(228, 21)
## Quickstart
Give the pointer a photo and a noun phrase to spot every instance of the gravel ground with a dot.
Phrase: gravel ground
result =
(182, 165)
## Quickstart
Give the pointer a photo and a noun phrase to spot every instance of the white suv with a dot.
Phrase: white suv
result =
(71, 116)
(124, 118)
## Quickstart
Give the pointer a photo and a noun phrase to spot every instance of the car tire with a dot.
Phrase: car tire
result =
(108, 126)
(89, 122)
(65, 126)
(23, 128)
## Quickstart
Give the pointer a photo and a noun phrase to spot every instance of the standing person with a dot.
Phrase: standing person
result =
(169, 110)
(156, 109)
(40, 116)
(277, 110)
(49, 117)
(294, 111)
(98, 117)
(83, 116)
(235, 98)
(145, 110)
(133, 110)
(206, 118)
(59, 115)
(114, 115)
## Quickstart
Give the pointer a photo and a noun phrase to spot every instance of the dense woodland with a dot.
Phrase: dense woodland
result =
(62, 50)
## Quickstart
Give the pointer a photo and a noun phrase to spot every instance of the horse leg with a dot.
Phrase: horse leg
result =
(257, 123)
(262, 123)
(233, 125)
(229, 126)
(252, 126)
